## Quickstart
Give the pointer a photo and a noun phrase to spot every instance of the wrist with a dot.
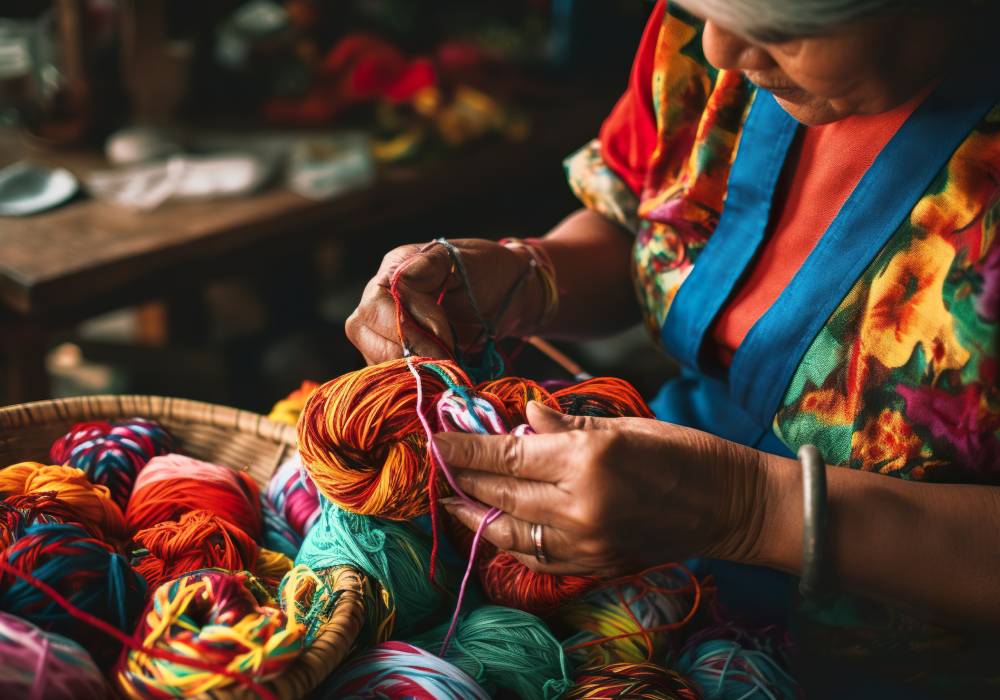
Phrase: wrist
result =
(536, 296)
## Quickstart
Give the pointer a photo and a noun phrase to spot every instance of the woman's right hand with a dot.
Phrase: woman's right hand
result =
(494, 273)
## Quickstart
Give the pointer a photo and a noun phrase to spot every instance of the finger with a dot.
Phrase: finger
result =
(374, 347)
(509, 533)
(544, 419)
(569, 567)
(378, 311)
(422, 269)
(535, 457)
(535, 501)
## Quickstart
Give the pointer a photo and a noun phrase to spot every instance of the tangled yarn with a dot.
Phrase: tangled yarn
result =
(645, 681)
(86, 571)
(79, 500)
(173, 484)
(112, 454)
(506, 581)
(38, 664)
(288, 409)
(11, 524)
(394, 554)
(504, 648)
(727, 669)
(398, 670)
(272, 566)
(631, 620)
(294, 496)
(223, 618)
(200, 539)
(306, 599)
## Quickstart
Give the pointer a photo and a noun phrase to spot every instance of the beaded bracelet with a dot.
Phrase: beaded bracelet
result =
(542, 264)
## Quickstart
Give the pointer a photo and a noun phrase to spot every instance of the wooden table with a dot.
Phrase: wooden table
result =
(87, 257)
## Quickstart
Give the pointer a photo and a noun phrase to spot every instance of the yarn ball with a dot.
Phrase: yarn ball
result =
(278, 535)
(398, 670)
(47, 507)
(112, 454)
(87, 572)
(362, 442)
(44, 665)
(504, 648)
(82, 502)
(394, 554)
(294, 495)
(506, 581)
(223, 618)
(726, 669)
(172, 485)
(644, 681)
(635, 607)
(287, 410)
(200, 539)
(271, 567)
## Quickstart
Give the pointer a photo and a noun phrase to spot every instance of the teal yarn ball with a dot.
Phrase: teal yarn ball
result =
(724, 669)
(92, 575)
(504, 648)
(395, 554)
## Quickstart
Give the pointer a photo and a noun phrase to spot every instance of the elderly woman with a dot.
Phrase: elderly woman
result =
(803, 195)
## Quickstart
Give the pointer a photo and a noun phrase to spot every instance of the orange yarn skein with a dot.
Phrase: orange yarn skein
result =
(90, 503)
(362, 443)
(199, 539)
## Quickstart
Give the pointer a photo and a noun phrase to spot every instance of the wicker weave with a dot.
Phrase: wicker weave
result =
(218, 434)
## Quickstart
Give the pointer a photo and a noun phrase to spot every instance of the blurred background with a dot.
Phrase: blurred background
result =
(193, 194)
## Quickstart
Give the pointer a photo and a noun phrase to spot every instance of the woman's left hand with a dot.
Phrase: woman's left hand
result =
(613, 495)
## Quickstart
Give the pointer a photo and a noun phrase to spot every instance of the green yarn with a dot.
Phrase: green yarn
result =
(395, 554)
(504, 648)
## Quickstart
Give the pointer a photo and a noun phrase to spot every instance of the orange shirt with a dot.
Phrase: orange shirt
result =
(823, 168)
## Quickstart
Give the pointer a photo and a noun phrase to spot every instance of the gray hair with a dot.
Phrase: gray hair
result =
(789, 18)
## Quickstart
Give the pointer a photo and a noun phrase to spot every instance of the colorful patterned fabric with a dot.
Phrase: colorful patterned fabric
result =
(901, 377)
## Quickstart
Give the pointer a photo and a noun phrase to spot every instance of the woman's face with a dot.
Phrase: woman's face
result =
(867, 67)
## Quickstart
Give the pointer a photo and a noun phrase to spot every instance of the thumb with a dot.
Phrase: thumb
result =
(543, 419)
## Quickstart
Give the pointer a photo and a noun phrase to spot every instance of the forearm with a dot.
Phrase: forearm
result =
(929, 547)
(592, 257)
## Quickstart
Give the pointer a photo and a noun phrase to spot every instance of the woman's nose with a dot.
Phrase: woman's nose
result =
(727, 50)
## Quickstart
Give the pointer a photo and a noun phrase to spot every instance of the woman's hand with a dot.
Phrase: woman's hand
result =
(495, 272)
(614, 494)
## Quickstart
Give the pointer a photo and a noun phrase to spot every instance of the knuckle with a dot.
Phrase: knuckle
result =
(505, 499)
(505, 536)
(513, 456)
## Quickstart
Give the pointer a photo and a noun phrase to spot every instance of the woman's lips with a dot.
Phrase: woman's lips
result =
(776, 89)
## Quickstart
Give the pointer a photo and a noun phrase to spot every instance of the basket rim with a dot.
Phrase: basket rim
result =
(339, 633)
(81, 408)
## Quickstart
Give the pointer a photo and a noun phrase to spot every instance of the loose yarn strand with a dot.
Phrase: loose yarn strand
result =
(130, 642)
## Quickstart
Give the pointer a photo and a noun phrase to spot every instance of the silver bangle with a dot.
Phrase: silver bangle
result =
(814, 583)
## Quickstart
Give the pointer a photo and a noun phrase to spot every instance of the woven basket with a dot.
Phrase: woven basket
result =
(211, 433)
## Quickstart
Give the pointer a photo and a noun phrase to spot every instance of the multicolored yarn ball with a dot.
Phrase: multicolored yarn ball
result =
(89, 573)
(506, 581)
(112, 454)
(80, 500)
(45, 666)
(199, 539)
(629, 620)
(271, 567)
(504, 648)
(278, 535)
(294, 495)
(47, 507)
(287, 410)
(396, 555)
(644, 681)
(172, 485)
(223, 618)
(362, 442)
(726, 669)
(397, 670)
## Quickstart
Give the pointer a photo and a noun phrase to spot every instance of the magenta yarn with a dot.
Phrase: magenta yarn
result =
(294, 495)
(37, 665)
